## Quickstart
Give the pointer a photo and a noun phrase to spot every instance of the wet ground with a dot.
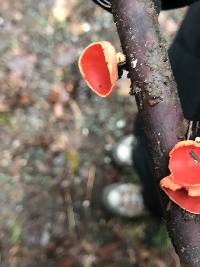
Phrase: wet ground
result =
(56, 141)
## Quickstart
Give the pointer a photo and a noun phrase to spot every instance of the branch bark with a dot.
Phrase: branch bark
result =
(156, 96)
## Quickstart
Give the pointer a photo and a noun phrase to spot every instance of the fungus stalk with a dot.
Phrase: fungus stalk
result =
(156, 96)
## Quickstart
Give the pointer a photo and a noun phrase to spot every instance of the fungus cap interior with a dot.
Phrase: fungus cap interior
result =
(185, 165)
(95, 69)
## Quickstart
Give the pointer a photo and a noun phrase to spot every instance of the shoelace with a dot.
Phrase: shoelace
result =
(105, 4)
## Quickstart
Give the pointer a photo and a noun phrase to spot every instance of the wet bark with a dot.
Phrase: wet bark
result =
(156, 96)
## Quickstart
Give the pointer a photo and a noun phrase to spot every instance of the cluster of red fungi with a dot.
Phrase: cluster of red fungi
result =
(98, 65)
(183, 184)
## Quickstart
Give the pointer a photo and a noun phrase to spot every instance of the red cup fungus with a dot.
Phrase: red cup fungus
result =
(98, 66)
(183, 184)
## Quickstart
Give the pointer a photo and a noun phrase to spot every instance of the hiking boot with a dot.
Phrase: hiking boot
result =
(124, 200)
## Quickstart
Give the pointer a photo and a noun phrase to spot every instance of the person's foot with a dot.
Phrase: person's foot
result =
(124, 199)
(122, 151)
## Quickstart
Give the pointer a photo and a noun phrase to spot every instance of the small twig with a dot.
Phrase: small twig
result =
(90, 182)
(197, 128)
(69, 206)
(77, 114)
(70, 211)
(169, 205)
(189, 133)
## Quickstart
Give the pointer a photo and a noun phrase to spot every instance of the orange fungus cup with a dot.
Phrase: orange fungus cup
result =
(98, 66)
(183, 184)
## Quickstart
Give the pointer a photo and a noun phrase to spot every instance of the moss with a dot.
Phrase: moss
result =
(15, 232)
(160, 238)
(4, 118)
(134, 232)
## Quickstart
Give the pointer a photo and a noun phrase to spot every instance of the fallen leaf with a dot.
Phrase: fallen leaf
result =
(66, 262)
(60, 143)
(107, 251)
(73, 159)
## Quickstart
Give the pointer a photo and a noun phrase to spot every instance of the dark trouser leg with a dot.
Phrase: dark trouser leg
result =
(143, 168)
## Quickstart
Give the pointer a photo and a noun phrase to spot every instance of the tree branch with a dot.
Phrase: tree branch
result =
(156, 96)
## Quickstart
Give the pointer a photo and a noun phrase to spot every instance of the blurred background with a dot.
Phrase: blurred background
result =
(56, 142)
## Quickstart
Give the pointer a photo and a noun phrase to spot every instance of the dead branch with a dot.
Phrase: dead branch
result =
(159, 106)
